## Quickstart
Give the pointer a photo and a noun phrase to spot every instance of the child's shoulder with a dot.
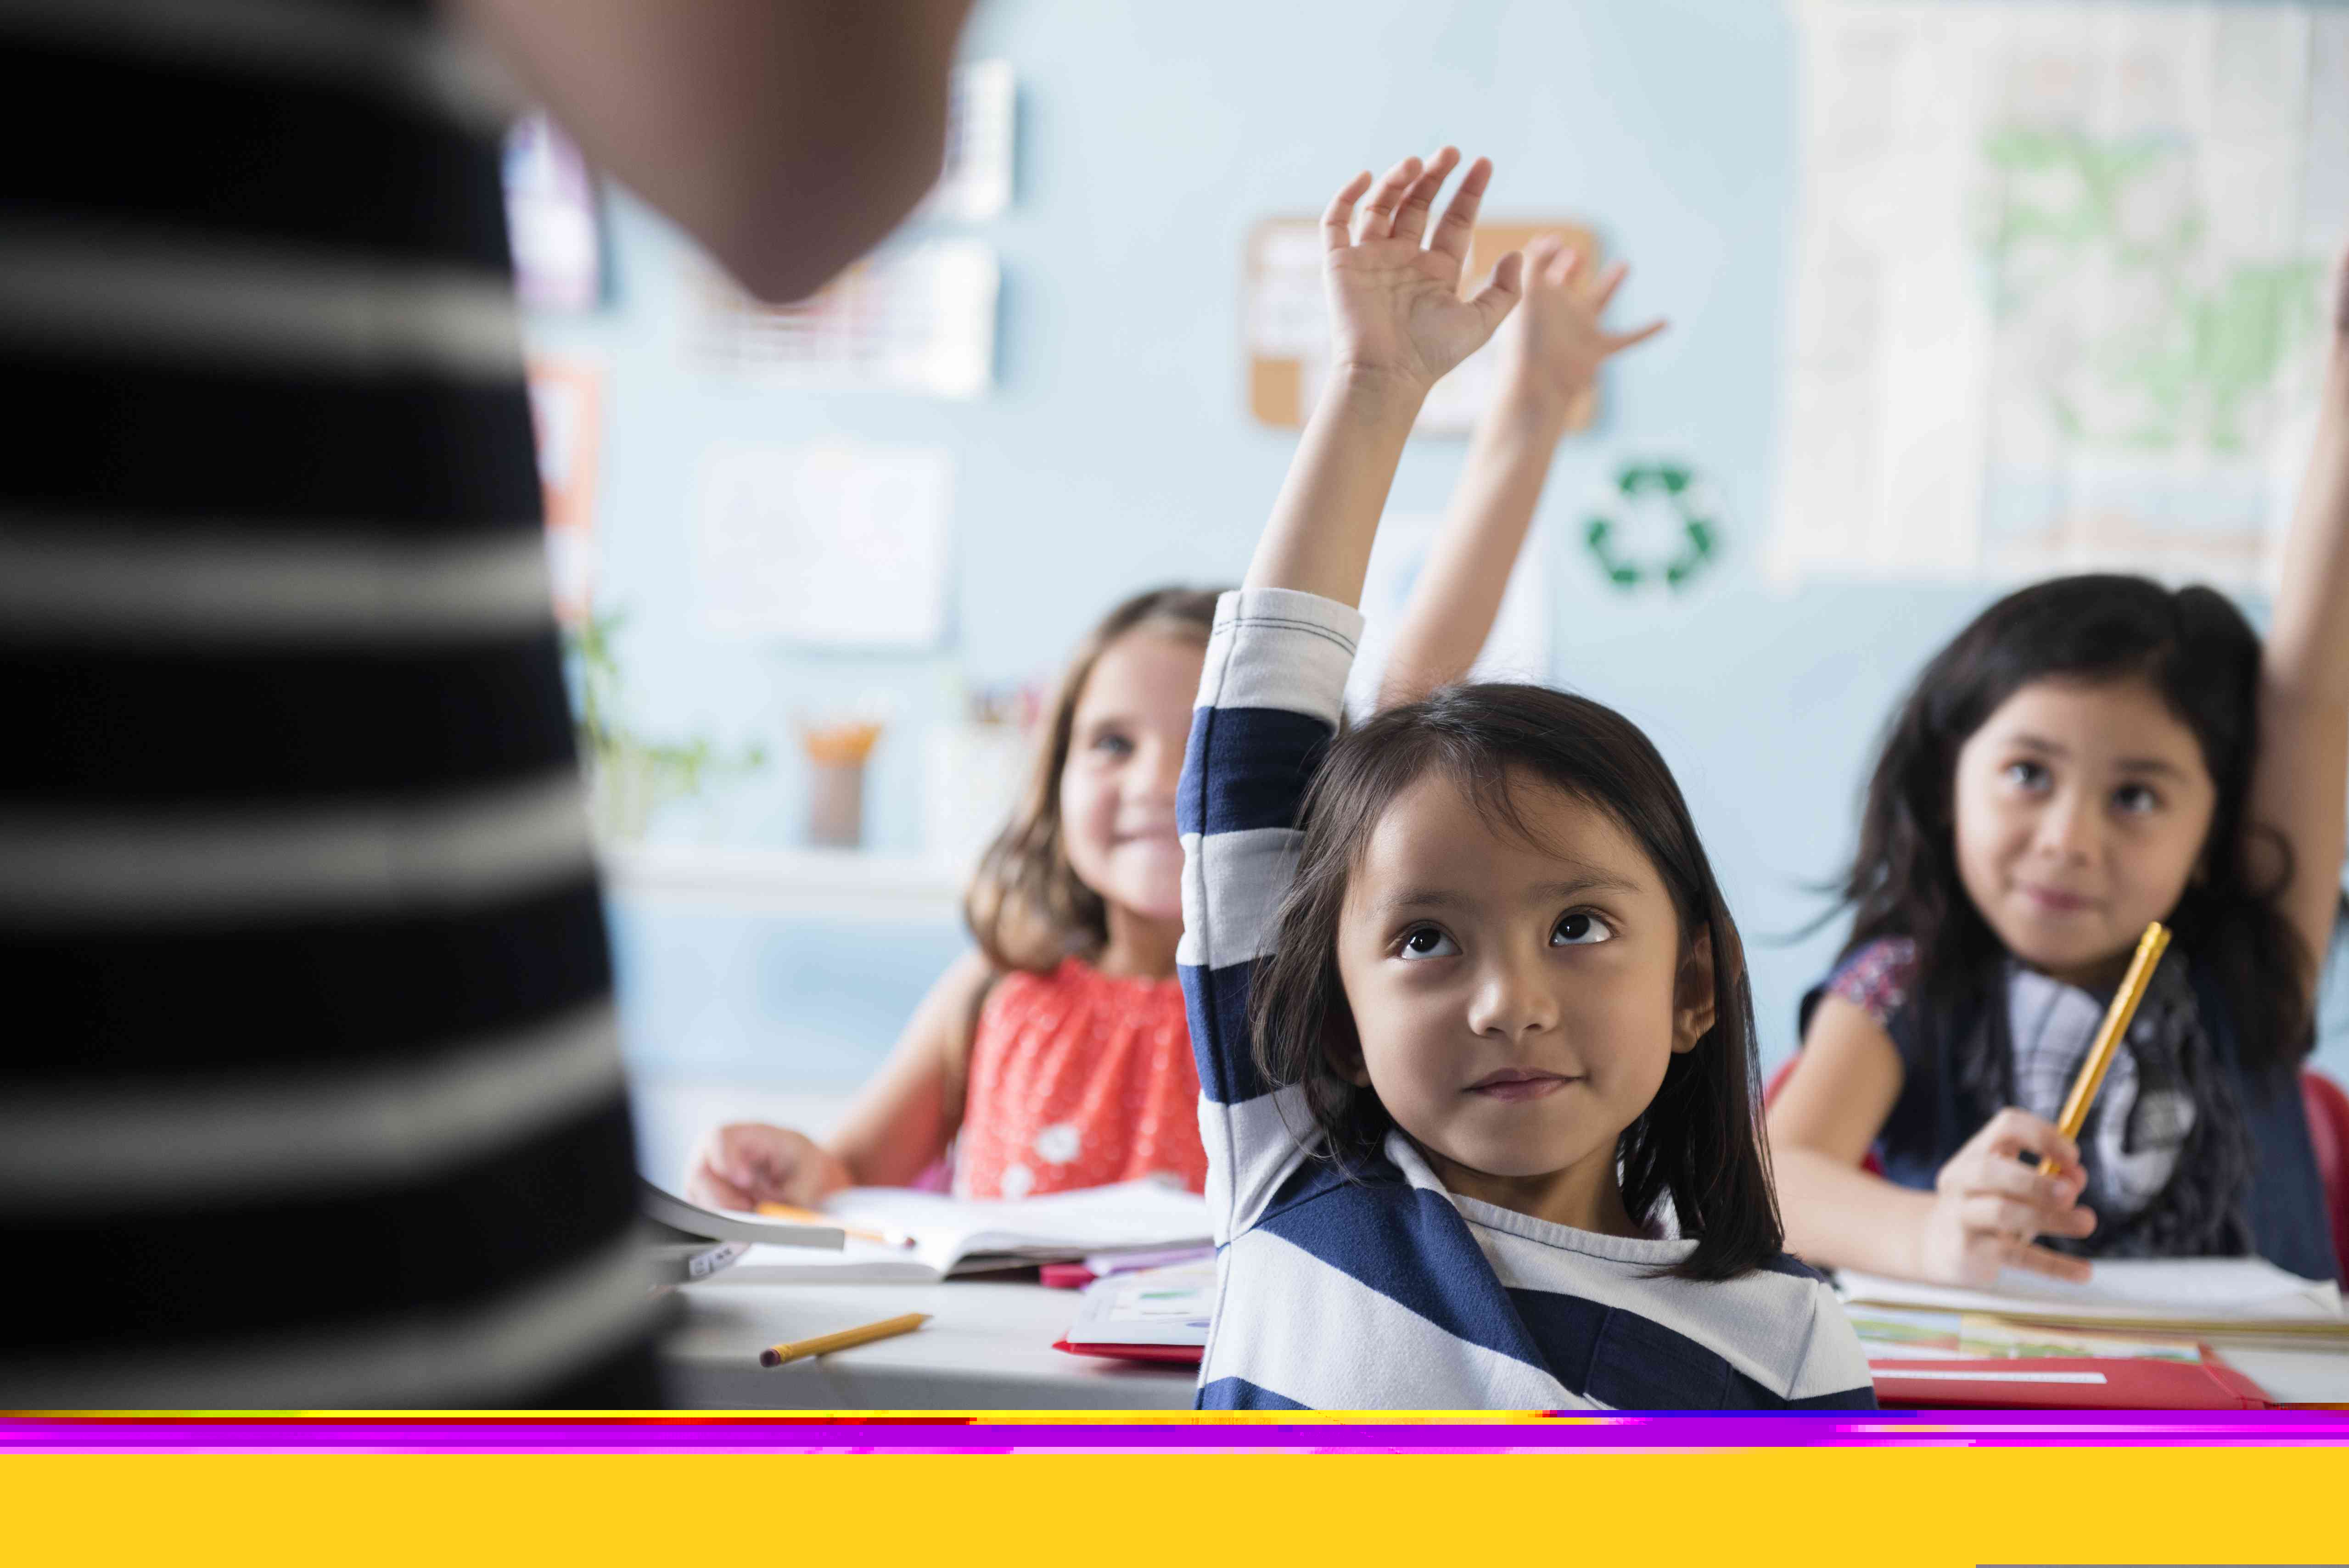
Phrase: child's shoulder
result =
(1876, 977)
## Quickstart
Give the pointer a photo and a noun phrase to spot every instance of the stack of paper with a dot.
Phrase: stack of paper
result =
(2195, 1296)
(950, 1236)
(1168, 1308)
(684, 1241)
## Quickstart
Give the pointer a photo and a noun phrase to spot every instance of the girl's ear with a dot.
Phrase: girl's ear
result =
(1693, 1007)
(1341, 1047)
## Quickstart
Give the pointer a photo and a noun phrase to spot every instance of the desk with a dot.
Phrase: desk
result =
(987, 1346)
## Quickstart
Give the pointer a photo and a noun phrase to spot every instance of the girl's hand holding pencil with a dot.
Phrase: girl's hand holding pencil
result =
(1989, 1204)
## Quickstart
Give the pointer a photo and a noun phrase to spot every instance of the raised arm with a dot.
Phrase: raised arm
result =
(1398, 324)
(2299, 785)
(1551, 350)
(1275, 677)
(786, 137)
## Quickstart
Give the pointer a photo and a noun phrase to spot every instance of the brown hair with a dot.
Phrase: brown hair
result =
(1025, 905)
(1700, 1141)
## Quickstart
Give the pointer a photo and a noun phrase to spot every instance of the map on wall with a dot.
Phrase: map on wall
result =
(2058, 287)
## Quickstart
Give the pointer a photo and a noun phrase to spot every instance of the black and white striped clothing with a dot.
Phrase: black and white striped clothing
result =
(1392, 1292)
(311, 1092)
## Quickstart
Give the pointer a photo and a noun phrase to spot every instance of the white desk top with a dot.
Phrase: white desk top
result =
(987, 1346)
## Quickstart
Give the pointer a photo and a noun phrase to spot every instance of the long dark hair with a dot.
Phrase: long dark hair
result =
(1025, 906)
(1700, 1140)
(2194, 647)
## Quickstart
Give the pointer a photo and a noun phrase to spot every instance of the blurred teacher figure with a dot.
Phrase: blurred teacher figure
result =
(311, 1094)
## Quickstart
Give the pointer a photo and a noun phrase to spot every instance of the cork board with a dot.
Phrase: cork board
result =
(1285, 324)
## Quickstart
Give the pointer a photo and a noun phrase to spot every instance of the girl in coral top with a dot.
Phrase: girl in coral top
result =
(1056, 1055)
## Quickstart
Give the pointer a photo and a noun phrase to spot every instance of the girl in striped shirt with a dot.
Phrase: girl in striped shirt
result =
(1474, 1043)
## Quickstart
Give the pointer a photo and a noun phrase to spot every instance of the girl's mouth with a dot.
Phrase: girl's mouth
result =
(2053, 901)
(1520, 1083)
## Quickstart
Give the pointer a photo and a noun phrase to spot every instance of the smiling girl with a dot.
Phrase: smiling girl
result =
(2089, 755)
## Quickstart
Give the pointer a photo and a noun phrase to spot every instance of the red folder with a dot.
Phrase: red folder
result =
(2066, 1382)
(1183, 1355)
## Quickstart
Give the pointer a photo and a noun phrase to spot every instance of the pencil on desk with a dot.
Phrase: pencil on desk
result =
(810, 1217)
(823, 1343)
(2117, 1017)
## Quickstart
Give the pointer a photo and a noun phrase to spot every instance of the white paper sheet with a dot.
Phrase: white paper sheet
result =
(949, 1233)
(837, 543)
(2235, 1290)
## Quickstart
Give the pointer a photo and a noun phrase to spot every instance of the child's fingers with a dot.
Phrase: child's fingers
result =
(1602, 293)
(2014, 1131)
(1459, 223)
(1338, 218)
(2056, 1265)
(1618, 342)
(1378, 213)
(1560, 272)
(1543, 254)
(1411, 218)
(712, 1191)
(1501, 291)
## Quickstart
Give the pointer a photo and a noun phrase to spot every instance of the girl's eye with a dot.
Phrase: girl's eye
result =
(1110, 743)
(1427, 942)
(2135, 799)
(2026, 775)
(1580, 929)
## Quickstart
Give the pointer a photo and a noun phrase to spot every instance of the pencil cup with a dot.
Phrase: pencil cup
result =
(836, 757)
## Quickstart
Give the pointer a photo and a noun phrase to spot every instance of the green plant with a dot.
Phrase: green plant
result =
(628, 774)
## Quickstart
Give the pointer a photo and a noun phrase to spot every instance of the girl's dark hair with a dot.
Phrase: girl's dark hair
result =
(1025, 906)
(2194, 649)
(1700, 1141)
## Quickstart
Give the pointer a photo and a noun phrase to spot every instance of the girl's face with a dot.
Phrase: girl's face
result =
(1125, 755)
(1517, 1003)
(2081, 811)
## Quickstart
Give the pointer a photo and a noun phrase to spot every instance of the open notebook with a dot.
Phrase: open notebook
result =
(958, 1236)
(2203, 1295)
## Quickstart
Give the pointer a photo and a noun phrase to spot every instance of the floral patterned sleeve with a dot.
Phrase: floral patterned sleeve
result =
(1877, 978)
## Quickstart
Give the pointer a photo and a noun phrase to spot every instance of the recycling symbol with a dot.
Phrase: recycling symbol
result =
(1646, 489)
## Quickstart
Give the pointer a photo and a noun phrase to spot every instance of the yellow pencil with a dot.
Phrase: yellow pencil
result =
(2117, 1017)
(810, 1217)
(823, 1343)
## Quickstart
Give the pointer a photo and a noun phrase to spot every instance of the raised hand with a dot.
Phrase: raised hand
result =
(1551, 352)
(1394, 304)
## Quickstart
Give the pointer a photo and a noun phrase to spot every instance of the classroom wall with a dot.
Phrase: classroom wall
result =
(1116, 450)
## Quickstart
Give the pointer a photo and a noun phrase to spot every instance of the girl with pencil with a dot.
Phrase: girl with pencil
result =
(2090, 755)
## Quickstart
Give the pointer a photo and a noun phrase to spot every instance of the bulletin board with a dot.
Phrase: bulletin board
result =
(1287, 323)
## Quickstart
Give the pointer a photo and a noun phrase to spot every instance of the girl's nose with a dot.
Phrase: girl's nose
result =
(1162, 769)
(2066, 827)
(1511, 1001)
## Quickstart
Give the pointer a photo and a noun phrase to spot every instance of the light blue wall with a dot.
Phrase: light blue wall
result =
(1116, 450)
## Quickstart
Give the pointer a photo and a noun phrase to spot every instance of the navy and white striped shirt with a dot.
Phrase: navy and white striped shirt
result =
(310, 1088)
(1391, 1292)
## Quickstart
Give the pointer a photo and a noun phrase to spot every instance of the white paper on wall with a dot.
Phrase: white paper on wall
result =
(976, 181)
(838, 544)
(915, 318)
